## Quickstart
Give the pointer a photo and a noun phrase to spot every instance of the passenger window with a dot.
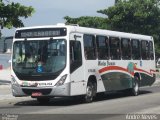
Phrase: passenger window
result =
(151, 53)
(144, 50)
(75, 55)
(102, 46)
(115, 48)
(126, 49)
(135, 49)
(89, 47)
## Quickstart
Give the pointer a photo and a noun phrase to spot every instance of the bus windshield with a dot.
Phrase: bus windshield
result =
(39, 59)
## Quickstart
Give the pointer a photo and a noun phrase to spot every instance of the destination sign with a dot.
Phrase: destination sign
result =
(41, 32)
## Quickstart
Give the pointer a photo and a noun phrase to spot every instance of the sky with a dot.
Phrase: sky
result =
(50, 12)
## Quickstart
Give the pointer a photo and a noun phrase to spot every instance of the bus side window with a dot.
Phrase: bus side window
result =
(135, 49)
(144, 50)
(115, 53)
(89, 47)
(75, 55)
(102, 46)
(151, 53)
(126, 49)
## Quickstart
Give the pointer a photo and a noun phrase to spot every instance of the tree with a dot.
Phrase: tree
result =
(136, 16)
(11, 14)
(86, 21)
(116, 1)
(133, 16)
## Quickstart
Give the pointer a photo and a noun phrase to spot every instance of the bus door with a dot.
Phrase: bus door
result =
(76, 65)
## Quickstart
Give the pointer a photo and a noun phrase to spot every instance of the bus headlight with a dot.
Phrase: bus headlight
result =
(14, 80)
(62, 80)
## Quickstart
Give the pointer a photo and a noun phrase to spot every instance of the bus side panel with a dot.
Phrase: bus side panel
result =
(116, 81)
(100, 83)
(147, 76)
(91, 69)
(116, 74)
(147, 80)
(78, 85)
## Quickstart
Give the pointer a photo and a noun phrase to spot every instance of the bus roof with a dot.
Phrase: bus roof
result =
(85, 30)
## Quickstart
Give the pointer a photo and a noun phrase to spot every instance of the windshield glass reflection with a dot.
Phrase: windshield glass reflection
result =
(40, 57)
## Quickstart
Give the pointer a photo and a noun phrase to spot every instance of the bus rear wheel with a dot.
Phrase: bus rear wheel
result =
(135, 88)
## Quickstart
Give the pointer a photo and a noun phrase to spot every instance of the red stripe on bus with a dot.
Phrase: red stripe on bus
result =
(112, 68)
(152, 71)
(123, 69)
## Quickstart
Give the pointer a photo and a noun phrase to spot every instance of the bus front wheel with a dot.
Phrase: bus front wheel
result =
(90, 92)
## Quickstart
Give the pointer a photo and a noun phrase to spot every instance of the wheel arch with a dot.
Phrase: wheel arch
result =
(92, 78)
(92, 82)
(137, 75)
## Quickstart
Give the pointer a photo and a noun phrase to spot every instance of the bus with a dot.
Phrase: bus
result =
(69, 60)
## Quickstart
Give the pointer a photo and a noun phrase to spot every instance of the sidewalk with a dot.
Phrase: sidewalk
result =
(5, 76)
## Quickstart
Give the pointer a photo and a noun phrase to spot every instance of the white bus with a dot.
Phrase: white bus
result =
(65, 60)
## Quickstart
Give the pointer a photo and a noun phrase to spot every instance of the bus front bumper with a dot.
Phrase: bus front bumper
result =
(57, 91)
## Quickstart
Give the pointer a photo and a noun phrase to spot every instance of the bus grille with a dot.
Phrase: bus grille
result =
(43, 91)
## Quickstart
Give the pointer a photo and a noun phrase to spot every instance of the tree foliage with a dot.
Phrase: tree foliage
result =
(86, 21)
(11, 14)
(134, 16)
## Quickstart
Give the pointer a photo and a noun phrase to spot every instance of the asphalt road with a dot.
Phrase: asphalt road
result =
(111, 106)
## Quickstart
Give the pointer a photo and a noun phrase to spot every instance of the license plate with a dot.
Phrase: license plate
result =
(36, 94)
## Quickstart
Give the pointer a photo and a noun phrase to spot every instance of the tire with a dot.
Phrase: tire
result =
(135, 87)
(94, 89)
(43, 100)
(90, 92)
